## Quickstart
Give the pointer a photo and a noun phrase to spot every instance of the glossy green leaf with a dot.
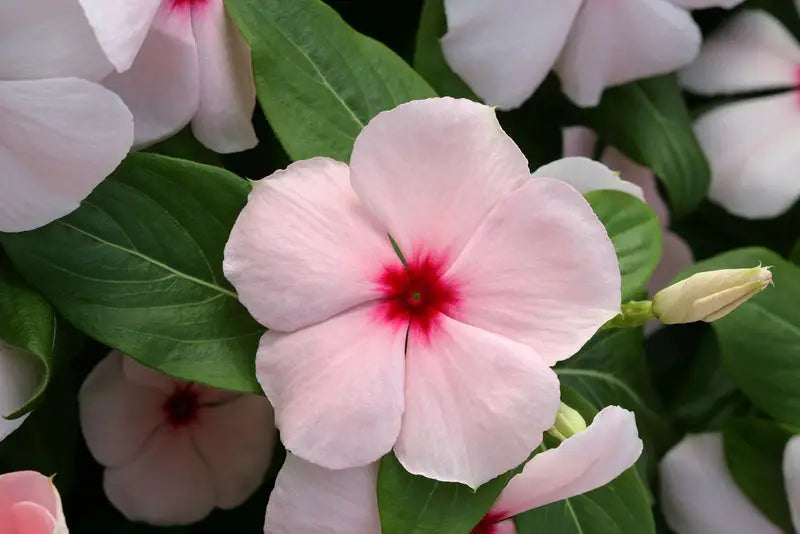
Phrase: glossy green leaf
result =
(649, 122)
(412, 504)
(636, 234)
(139, 267)
(754, 453)
(27, 322)
(429, 60)
(318, 80)
(760, 340)
(620, 507)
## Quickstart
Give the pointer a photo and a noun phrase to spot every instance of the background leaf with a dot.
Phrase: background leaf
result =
(139, 267)
(754, 453)
(760, 341)
(636, 234)
(649, 122)
(620, 507)
(318, 80)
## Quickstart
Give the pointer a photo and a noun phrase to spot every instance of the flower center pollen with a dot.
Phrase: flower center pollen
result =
(182, 406)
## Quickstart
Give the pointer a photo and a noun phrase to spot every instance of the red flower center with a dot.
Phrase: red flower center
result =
(186, 4)
(488, 525)
(417, 294)
(182, 406)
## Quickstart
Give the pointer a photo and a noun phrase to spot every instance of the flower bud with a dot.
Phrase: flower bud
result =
(568, 423)
(710, 295)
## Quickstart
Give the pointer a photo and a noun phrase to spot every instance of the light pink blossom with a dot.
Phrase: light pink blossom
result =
(61, 133)
(309, 499)
(634, 179)
(30, 504)
(20, 376)
(446, 359)
(699, 495)
(178, 61)
(751, 144)
(504, 48)
(172, 450)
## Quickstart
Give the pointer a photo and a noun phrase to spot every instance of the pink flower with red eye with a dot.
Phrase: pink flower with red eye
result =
(418, 297)
(176, 62)
(30, 504)
(172, 450)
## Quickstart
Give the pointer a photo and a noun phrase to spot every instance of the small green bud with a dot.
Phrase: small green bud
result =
(568, 423)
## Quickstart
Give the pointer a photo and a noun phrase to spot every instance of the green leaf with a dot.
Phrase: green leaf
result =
(620, 507)
(429, 60)
(759, 341)
(795, 255)
(139, 267)
(318, 80)
(27, 322)
(636, 234)
(649, 122)
(412, 504)
(754, 453)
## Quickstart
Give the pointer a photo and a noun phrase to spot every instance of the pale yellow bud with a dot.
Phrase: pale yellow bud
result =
(568, 423)
(710, 295)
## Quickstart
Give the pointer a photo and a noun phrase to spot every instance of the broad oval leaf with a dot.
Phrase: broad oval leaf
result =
(139, 267)
(649, 122)
(27, 322)
(635, 232)
(620, 507)
(754, 454)
(318, 80)
(760, 340)
(412, 504)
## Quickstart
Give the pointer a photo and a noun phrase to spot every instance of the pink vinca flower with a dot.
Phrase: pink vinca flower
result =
(699, 495)
(629, 177)
(751, 144)
(20, 377)
(173, 450)
(178, 61)
(447, 357)
(309, 499)
(504, 48)
(30, 504)
(61, 133)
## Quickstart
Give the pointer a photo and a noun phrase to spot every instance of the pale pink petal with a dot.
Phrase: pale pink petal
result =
(541, 270)
(641, 176)
(144, 376)
(752, 149)
(751, 51)
(675, 257)
(117, 415)
(698, 494)
(613, 43)
(303, 249)
(578, 141)
(120, 27)
(48, 39)
(503, 527)
(166, 484)
(309, 499)
(28, 487)
(31, 518)
(431, 170)
(581, 463)
(504, 48)
(587, 175)
(476, 404)
(59, 138)
(20, 376)
(162, 87)
(227, 91)
(337, 387)
(703, 4)
(236, 440)
(791, 476)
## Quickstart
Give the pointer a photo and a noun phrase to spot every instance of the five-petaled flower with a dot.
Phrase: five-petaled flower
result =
(173, 450)
(440, 349)
(309, 499)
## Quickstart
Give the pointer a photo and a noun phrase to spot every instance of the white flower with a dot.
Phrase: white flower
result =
(504, 48)
(20, 376)
(61, 134)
